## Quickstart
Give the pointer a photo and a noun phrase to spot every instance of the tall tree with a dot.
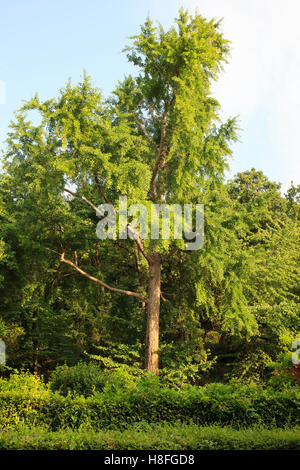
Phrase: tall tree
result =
(159, 139)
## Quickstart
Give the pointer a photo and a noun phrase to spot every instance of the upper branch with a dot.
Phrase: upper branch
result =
(84, 199)
(101, 189)
(146, 133)
(133, 233)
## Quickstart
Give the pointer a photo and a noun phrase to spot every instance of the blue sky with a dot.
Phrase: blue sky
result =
(44, 42)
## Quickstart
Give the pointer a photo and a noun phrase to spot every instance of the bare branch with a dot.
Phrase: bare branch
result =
(83, 198)
(98, 281)
(101, 189)
(139, 244)
(146, 133)
(152, 107)
(134, 234)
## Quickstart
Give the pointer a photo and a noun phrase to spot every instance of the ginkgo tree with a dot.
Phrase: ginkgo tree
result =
(157, 139)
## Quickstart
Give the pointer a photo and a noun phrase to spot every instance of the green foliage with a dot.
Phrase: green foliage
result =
(81, 379)
(6, 371)
(145, 436)
(185, 363)
(148, 401)
(111, 356)
(285, 373)
(9, 332)
(228, 310)
(87, 379)
(120, 380)
(23, 382)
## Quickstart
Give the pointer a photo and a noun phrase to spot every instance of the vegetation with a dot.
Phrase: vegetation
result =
(202, 336)
(148, 437)
(120, 402)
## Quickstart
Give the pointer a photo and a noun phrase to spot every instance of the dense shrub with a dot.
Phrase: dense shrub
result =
(88, 378)
(214, 404)
(81, 379)
(23, 382)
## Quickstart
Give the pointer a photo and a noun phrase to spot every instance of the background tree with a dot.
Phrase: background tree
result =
(271, 238)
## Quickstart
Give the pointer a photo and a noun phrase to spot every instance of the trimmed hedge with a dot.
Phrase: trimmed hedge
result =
(215, 404)
(153, 437)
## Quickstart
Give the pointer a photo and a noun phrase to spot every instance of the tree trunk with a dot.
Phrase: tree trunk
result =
(152, 334)
(36, 356)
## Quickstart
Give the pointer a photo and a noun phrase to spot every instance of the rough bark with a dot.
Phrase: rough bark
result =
(152, 334)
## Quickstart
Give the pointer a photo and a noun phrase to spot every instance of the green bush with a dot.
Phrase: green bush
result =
(23, 382)
(88, 378)
(81, 379)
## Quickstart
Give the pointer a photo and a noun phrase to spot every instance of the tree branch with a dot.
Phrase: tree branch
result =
(134, 234)
(101, 189)
(103, 284)
(84, 199)
(139, 244)
(146, 133)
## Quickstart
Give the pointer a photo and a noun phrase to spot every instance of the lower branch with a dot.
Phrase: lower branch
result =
(103, 284)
